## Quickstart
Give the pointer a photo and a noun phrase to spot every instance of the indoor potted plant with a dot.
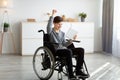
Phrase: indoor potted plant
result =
(83, 16)
(6, 26)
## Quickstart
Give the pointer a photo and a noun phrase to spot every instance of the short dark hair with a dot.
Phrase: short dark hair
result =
(57, 19)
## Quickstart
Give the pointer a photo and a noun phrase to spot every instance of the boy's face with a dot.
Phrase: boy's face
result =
(57, 26)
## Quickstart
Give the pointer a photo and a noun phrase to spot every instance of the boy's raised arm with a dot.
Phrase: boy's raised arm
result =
(50, 22)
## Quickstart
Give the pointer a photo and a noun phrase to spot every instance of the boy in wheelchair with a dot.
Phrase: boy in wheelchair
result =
(62, 49)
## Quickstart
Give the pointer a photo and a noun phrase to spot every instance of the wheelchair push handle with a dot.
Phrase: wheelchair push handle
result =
(41, 31)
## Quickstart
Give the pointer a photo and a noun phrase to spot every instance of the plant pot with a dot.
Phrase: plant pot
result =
(82, 19)
(5, 29)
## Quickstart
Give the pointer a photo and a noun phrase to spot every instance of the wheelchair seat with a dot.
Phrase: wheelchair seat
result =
(49, 61)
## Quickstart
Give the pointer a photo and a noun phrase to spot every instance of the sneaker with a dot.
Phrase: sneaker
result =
(81, 74)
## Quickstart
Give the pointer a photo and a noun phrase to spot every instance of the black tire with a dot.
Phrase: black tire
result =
(43, 70)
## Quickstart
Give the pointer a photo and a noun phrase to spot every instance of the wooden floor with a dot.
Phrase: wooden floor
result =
(100, 66)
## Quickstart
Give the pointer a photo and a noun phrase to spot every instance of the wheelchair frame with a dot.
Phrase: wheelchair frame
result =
(54, 64)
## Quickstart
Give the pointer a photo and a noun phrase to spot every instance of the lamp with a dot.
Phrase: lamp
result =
(5, 5)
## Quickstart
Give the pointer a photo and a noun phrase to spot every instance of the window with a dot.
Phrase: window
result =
(117, 18)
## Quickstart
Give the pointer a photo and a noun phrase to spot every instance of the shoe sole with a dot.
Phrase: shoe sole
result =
(82, 76)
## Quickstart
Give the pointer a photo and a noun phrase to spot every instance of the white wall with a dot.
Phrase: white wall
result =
(23, 9)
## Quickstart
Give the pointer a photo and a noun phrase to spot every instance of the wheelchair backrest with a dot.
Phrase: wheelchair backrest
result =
(48, 44)
(46, 38)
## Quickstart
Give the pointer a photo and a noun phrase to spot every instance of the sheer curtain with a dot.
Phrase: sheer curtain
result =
(116, 29)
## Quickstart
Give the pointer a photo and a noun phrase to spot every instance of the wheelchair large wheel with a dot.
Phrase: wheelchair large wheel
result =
(43, 63)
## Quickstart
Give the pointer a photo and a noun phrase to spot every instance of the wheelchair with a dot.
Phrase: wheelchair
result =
(45, 63)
